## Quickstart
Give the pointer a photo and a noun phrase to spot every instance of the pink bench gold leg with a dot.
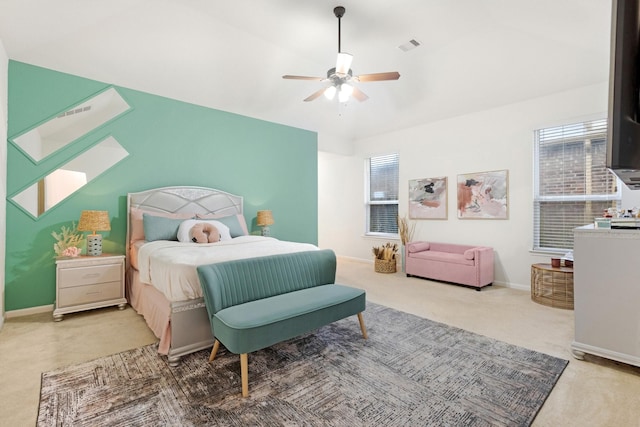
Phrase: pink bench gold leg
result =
(362, 327)
(244, 372)
(214, 350)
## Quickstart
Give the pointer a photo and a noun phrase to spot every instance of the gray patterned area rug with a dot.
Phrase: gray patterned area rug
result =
(410, 372)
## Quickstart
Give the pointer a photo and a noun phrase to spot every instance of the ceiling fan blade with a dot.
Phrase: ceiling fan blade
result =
(302, 78)
(359, 95)
(314, 95)
(376, 77)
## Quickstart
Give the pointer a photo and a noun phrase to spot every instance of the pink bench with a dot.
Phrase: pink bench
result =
(448, 262)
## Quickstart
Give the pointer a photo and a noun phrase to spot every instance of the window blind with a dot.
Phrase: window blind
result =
(382, 194)
(572, 185)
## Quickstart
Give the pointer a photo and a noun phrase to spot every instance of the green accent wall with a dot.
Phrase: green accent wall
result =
(169, 143)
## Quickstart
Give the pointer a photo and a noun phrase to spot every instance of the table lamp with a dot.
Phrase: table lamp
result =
(265, 219)
(94, 221)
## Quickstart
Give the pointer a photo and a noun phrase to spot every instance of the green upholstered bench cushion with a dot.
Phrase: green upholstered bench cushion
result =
(261, 323)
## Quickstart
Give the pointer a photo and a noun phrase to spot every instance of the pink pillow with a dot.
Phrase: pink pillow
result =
(136, 227)
(469, 254)
(418, 246)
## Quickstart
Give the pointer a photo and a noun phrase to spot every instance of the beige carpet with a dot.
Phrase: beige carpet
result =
(411, 371)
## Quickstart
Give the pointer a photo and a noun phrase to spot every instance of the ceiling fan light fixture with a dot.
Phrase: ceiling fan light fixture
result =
(345, 92)
(339, 76)
(343, 64)
(330, 92)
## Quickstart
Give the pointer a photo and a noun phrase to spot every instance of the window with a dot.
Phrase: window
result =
(382, 194)
(572, 185)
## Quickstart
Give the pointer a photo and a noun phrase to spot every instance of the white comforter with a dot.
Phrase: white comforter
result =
(171, 266)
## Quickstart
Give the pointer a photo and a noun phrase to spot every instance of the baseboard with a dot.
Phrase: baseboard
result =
(29, 311)
(526, 288)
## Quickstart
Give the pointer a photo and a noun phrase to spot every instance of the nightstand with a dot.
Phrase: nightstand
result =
(88, 282)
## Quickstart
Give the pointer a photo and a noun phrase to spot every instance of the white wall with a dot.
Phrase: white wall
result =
(4, 81)
(496, 139)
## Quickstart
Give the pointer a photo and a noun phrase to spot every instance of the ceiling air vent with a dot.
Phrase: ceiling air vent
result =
(411, 44)
(76, 111)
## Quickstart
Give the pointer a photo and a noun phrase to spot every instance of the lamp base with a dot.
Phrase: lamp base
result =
(266, 231)
(94, 244)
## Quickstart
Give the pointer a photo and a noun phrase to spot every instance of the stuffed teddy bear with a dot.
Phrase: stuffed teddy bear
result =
(204, 232)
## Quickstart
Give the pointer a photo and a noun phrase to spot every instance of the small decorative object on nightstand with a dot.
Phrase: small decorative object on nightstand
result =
(264, 220)
(67, 241)
(88, 282)
(94, 221)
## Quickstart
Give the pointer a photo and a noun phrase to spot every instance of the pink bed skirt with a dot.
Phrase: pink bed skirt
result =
(153, 306)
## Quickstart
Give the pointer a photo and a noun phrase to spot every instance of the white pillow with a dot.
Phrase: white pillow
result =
(185, 227)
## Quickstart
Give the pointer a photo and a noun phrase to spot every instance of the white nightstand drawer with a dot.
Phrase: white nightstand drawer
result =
(89, 294)
(70, 277)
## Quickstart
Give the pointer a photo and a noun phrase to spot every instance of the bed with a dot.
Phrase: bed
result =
(161, 278)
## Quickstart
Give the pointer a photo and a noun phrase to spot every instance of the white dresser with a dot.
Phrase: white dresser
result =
(607, 294)
(88, 282)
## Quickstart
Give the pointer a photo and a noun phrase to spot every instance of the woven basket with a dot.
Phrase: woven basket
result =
(385, 266)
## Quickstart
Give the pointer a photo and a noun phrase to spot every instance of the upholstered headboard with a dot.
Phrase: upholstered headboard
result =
(182, 199)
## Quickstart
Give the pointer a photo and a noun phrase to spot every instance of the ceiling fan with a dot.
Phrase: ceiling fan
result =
(341, 75)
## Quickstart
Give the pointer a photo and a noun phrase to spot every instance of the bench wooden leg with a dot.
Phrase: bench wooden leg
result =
(244, 372)
(214, 350)
(362, 327)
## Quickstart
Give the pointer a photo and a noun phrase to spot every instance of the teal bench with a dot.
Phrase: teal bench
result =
(257, 302)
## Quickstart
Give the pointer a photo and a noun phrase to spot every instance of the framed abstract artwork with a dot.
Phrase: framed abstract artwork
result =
(483, 195)
(428, 198)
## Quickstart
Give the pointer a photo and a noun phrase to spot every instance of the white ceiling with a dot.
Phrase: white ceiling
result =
(231, 55)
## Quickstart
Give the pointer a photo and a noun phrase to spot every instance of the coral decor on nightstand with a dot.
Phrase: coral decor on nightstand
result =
(67, 241)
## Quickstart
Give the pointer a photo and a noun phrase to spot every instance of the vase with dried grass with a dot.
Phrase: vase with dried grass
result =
(405, 230)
